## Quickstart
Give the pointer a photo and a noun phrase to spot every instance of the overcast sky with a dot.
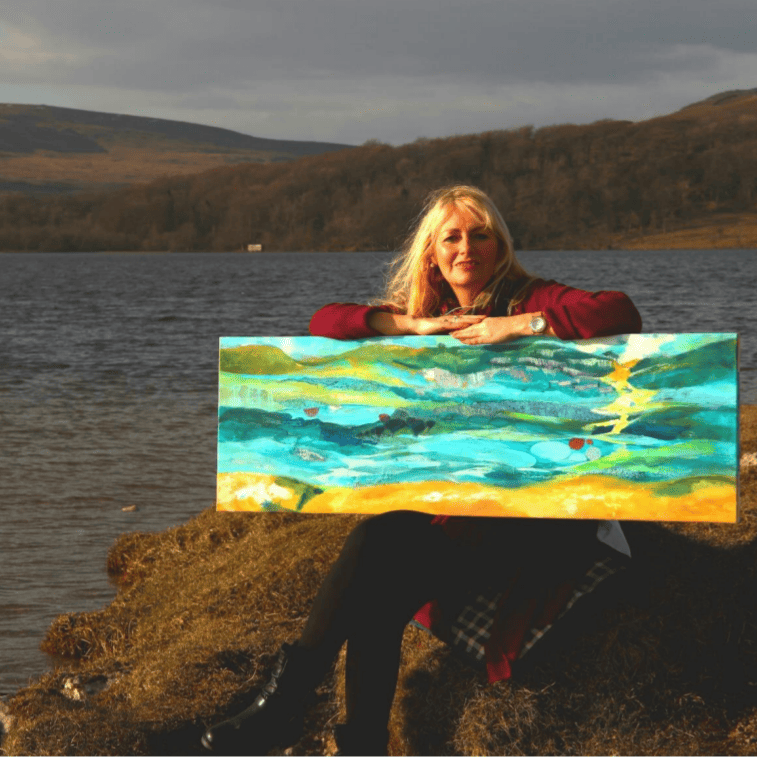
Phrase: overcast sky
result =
(394, 70)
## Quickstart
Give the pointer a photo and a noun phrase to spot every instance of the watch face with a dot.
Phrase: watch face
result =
(538, 324)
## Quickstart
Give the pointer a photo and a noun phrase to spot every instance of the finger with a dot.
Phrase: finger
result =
(469, 340)
(450, 325)
(465, 333)
(476, 339)
(460, 322)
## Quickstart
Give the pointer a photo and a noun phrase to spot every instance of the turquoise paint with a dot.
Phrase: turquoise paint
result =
(499, 414)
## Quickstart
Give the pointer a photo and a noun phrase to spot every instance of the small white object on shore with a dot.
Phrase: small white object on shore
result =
(80, 688)
(129, 508)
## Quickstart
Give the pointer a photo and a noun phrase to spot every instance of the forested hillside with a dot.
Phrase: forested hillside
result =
(558, 187)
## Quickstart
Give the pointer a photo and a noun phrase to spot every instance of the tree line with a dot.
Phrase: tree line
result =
(559, 187)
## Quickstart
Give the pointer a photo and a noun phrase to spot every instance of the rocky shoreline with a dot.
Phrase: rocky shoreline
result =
(667, 666)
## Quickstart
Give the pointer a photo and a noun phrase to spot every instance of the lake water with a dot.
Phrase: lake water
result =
(92, 344)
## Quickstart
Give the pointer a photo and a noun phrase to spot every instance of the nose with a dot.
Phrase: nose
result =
(466, 244)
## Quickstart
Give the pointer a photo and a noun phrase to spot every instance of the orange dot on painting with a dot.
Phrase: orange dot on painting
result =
(311, 412)
(589, 442)
(576, 443)
(384, 417)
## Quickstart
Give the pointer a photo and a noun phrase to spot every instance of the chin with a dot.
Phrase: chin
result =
(471, 281)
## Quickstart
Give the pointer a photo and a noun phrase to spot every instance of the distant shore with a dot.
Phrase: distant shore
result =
(732, 231)
(729, 232)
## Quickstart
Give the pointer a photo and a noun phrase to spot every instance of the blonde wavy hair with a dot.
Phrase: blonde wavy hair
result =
(415, 285)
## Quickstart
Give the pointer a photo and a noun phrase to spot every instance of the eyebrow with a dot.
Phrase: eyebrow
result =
(447, 230)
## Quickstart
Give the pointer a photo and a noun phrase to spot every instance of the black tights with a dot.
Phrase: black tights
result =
(391, 565)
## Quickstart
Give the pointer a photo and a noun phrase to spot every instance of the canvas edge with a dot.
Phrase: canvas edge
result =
(738, 508)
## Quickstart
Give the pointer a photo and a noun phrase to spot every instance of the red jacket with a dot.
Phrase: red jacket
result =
(572, 313)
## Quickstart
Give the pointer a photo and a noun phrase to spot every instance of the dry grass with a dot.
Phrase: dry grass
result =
(725, 230)
(122, 164)
(664, 663)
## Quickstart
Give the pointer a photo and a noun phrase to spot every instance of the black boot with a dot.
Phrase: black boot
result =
(356, 739)
(276, 716)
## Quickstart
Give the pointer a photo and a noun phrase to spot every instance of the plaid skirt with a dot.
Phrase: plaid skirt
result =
(497, 627)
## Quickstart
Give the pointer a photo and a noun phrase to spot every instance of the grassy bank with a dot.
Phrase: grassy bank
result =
(725, 230)
(667, 664)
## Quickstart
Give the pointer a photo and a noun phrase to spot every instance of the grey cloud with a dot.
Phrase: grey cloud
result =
(177, 45)
(208, 99)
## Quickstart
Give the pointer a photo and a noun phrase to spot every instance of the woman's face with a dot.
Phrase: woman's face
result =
(466, 253)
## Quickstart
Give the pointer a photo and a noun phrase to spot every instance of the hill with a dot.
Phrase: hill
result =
(47, 150)
(611, 184)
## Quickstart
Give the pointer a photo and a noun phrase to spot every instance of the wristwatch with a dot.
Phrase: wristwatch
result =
(538, 325)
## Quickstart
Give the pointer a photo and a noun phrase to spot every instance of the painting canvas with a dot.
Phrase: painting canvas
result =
(628, 427)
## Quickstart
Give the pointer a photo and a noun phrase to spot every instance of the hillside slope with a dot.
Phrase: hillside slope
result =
(45, 149)
(611, 184)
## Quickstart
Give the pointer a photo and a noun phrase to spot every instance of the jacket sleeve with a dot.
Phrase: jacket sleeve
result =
(578, 314)
(343, 321)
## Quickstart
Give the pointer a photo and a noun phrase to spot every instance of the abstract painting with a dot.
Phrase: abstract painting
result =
(641, 426)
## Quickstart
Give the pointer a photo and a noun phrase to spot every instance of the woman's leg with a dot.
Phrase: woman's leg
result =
(373, 661)
(383, 567)
(390, 566)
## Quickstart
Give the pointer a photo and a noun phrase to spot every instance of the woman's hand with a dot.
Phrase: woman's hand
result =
(445, 324)
(396, 323)
(492, 330)
(497, 329)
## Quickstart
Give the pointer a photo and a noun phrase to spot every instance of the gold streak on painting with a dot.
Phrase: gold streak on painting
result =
(629, 400)
(585, 496)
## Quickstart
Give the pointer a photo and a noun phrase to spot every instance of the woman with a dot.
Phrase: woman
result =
(479, 583)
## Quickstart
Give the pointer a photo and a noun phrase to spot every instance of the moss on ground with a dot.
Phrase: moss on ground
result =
(664, 662)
